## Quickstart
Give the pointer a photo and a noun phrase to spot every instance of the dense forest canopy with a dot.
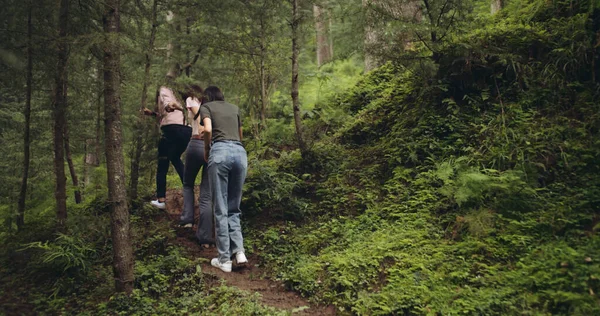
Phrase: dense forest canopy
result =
(427, 157)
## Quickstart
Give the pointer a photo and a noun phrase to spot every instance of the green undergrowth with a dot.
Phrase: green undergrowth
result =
(466, 186)
(71, 273)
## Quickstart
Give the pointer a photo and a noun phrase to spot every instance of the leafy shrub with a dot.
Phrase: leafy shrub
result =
(65, 255)
(271, 190)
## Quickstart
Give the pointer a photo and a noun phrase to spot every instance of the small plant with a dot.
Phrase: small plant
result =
(65, 255)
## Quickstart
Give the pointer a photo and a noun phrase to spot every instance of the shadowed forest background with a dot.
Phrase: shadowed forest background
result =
(406, 157)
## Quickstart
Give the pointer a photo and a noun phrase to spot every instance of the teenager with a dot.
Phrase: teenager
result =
(227, 167)
(175, 135)
(194, 160)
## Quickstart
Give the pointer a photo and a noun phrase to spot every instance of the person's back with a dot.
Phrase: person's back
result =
(227, 167)
(175, 135)
(166, 103)
(225, 118)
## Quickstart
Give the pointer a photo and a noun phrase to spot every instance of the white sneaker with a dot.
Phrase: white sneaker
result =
(240, 258)
(225, 267)
(157, 204)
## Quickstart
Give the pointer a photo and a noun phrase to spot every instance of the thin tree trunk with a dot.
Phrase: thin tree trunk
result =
(139, 140)
(323, 49)
(188, 66)
(27, 114)
(60, 105)
(330, 34)
(122, 250)
(86, 174)
(263, 76)
(263, 92)
(92, 145)
(98, 142)
(295, 102)
(71, 166)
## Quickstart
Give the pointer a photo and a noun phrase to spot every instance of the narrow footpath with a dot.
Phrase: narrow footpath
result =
(250, 278)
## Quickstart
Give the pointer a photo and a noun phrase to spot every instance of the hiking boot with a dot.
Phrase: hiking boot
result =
(225, 267)
(158, 204)
(240, 258)
(186, 225)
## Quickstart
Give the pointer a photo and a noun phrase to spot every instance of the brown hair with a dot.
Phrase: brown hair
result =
(192, 91)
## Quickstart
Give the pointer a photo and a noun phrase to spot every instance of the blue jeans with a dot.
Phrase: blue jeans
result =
(227, 167)
(194, 160)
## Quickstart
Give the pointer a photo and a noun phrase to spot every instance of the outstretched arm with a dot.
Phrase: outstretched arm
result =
(149, 112)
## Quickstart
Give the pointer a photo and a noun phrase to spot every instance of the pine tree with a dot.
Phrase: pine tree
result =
(122, 251)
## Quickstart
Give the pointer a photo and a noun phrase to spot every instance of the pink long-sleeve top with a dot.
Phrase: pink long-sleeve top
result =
(166, 97)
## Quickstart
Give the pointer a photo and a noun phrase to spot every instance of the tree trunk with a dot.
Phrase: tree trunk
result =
(60, 105)
(173, 50)
(496, 6)
(330, 19)
(27, 114)
(370, 39)
(139, 140)
(71, 166)
(323, 43)
(188, 66)
(263, 76)
(99, 117)
(122, 250)
(263, 92)
(92, 145)
(295, 102)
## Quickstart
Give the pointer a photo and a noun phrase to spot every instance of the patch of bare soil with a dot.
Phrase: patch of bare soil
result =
(248, 278)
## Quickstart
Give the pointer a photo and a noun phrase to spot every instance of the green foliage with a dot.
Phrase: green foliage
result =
(66, 254)
(172, 284)
(461, 178)
(472, 189)
(272, 189)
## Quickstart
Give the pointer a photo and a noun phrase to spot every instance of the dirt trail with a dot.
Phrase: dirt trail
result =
(249, 278)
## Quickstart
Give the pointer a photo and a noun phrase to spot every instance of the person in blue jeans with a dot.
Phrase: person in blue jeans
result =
(227, 167)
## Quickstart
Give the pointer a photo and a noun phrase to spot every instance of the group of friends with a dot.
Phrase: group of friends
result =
(211, 137)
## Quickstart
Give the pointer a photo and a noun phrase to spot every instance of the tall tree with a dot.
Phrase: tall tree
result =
(59, 113)
(27, 115)
(295, 24)
(115, 165)
(139, 139)
(263, 72)
(324, 42)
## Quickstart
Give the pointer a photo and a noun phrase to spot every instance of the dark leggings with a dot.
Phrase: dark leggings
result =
(172, 144)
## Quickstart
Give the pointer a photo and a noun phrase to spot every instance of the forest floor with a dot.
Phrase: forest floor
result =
(250, 278)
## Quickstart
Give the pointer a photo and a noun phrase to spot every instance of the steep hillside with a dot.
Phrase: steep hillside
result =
(468, 185)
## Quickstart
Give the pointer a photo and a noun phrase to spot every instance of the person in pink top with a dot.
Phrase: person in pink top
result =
(175, 135)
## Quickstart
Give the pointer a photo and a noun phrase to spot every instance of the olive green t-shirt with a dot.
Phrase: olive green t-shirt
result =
(225, 119)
